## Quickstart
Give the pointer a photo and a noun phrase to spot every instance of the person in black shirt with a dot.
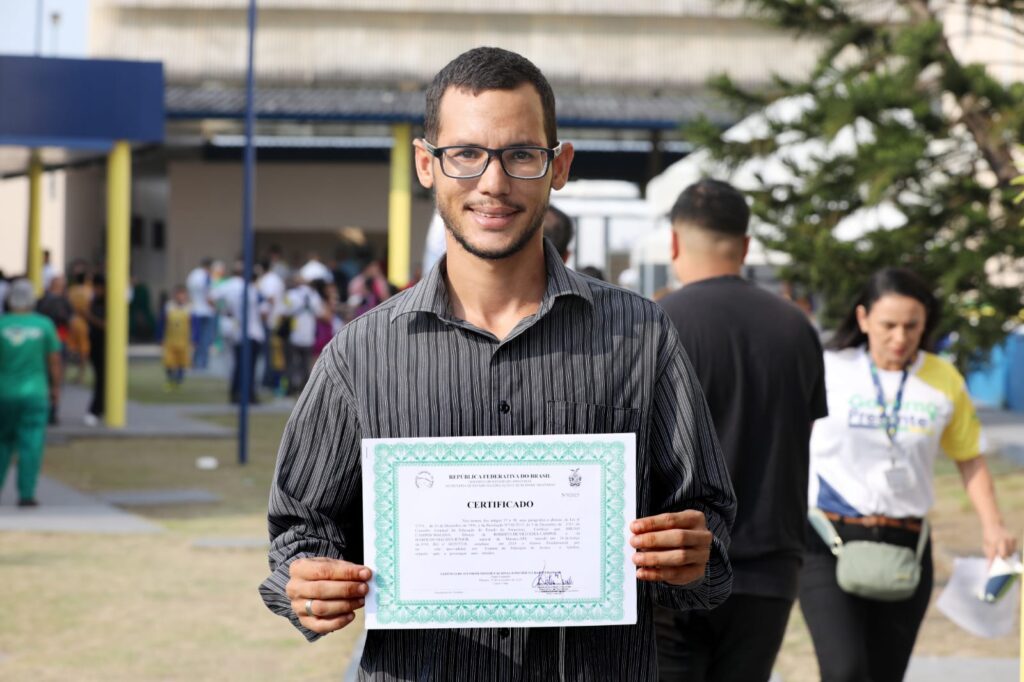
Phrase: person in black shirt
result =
(55, 305)
(760, 364)
(97, 318)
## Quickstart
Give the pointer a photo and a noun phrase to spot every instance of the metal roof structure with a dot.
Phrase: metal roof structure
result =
(381, 105)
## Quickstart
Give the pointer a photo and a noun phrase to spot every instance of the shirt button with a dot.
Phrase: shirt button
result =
(504, 407)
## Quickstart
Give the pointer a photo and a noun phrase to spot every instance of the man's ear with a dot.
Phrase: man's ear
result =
(746, 249)
(560, 166)
(424, 162)
(675, 244)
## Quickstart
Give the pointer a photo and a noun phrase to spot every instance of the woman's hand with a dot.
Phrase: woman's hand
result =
(997, 541)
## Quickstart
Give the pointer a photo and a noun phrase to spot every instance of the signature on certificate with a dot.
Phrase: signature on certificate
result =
(551, 581)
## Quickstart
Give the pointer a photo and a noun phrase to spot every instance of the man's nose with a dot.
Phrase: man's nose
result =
(494, 181)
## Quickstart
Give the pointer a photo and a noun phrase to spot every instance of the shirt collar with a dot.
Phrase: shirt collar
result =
(430, 295)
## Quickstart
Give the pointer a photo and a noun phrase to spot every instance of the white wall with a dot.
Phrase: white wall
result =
(85, 212)
(650, 43)
(14, 222)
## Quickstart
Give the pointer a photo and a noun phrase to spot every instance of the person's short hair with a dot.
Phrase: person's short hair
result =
(488, 68)
(22, 295)
(712, 205)
(561, 231)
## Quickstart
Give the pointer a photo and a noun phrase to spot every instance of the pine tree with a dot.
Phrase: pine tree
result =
(934, 140)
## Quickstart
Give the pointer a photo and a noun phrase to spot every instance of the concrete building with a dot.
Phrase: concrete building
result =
(336, 77)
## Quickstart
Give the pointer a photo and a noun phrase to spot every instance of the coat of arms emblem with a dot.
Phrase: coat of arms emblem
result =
(574, 478)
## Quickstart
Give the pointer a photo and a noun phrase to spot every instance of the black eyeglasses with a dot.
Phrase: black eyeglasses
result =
(463, 162)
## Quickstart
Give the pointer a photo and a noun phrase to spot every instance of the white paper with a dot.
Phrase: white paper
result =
(960, 600)
(527, 531)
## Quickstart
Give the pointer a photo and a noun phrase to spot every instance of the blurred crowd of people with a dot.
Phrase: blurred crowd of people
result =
(296, 311)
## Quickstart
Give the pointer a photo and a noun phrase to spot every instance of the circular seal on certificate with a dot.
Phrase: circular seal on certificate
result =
(424, 479)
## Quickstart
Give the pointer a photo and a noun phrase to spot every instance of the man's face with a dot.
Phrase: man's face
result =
(493, 216)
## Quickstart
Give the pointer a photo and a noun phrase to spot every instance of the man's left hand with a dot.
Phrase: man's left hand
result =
(673, 548)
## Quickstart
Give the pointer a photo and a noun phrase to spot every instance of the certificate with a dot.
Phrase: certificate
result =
(507, 531)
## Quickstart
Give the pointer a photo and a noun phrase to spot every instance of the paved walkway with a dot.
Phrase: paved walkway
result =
(150, 421)
(64, 510)
(929, 669)
(1005, 433)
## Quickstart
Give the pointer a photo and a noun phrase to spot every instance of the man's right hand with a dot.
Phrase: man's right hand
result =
(333, 589)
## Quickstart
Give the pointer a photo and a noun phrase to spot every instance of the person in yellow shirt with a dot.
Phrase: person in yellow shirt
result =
(177, 345)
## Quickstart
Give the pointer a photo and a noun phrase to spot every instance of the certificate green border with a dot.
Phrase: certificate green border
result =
(609, 455)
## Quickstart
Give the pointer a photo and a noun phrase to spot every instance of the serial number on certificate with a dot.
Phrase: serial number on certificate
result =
(506, 531)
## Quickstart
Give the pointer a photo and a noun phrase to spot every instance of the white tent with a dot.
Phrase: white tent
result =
(663, 190)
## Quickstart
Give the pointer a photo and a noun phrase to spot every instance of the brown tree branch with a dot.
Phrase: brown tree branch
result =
(996, 152)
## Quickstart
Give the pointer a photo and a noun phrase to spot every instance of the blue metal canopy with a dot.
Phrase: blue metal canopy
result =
(79, 103)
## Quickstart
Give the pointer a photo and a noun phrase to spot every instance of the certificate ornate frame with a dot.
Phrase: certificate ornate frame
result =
(610, 456)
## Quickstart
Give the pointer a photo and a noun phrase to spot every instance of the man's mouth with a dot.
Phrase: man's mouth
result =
(493, 217)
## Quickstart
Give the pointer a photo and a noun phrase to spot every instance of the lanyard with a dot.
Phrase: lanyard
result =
(890, 420)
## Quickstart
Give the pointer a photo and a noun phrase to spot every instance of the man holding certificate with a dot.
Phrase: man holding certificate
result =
(509, 463)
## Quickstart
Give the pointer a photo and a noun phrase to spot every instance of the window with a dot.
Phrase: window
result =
(158, 235)
(136, 234)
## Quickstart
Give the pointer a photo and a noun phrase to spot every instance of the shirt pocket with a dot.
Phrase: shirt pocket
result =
(581, 418)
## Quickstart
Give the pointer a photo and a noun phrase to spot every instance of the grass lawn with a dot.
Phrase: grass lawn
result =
(146, 385)
(152, 607)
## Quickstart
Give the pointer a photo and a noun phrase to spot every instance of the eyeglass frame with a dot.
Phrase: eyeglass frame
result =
(552, 154)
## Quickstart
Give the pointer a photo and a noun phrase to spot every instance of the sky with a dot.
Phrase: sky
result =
(18, 27)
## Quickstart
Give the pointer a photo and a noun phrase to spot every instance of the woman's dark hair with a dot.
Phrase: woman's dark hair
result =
(901, 282)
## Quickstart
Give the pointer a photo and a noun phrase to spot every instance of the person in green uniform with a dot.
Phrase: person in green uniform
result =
(29, 380)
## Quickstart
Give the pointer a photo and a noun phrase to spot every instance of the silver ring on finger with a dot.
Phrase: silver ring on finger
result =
(309, 608)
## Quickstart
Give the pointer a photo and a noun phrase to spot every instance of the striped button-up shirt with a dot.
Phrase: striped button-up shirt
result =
(593, 359)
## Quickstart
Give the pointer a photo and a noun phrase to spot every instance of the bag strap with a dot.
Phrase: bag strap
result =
(825, 529)
(922, 540)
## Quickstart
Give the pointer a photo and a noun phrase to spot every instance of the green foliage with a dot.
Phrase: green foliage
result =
(898, 85)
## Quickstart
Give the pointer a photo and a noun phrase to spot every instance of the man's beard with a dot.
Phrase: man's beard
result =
(515, 247)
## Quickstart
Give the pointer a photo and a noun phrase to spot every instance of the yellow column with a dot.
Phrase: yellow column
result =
(35, 222)
(119, 180)
(400, 205)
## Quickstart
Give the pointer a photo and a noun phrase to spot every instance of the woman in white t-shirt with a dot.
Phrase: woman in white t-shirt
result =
(892, 408)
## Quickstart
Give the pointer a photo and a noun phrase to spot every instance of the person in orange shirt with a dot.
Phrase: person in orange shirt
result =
(80, 296)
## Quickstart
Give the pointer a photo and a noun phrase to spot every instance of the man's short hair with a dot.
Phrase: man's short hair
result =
(713, 205)
(22, 296)
(560, 233)
(488, 68)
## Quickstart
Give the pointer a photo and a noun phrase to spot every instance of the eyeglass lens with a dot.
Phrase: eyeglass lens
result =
(522, 162)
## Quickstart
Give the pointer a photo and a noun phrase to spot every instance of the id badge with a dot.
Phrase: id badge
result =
(899, 478)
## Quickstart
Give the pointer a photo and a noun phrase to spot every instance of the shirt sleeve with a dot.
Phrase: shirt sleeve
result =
(819, 396)
(961, 439)
(689, 472)
(315, 507)
(52, 340)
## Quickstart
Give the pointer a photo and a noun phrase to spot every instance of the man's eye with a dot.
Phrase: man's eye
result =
(522, 155)
(466, 154)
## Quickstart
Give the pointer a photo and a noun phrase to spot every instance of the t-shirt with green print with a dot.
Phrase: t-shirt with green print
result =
(26, 340)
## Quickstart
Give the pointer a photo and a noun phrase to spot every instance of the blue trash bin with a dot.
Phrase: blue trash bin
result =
(1015, 371)
(987, 384)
